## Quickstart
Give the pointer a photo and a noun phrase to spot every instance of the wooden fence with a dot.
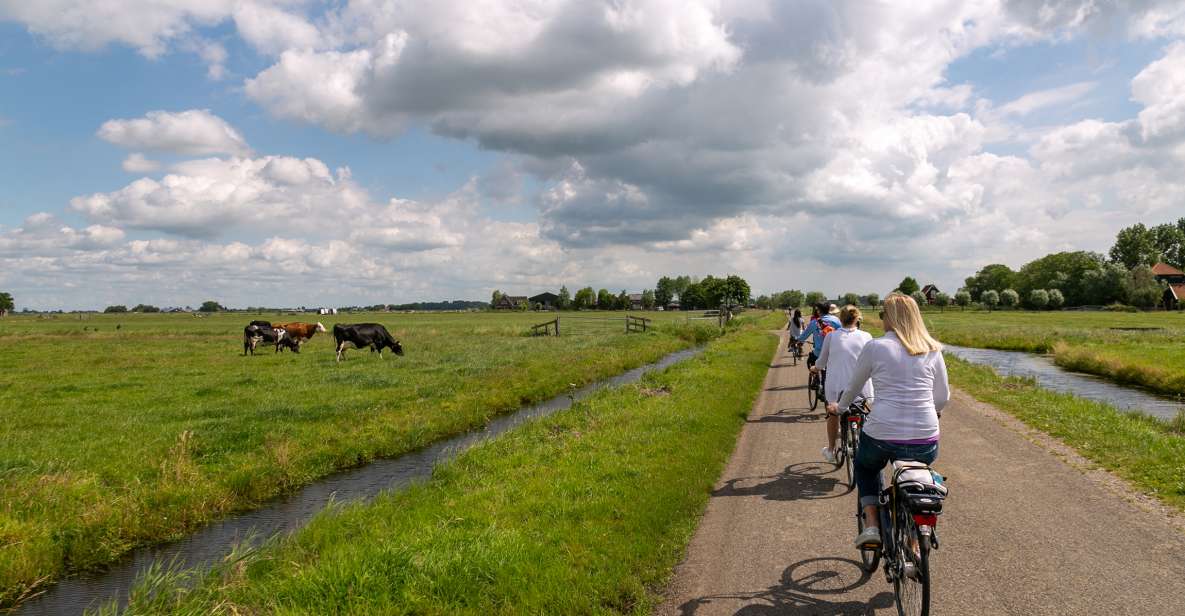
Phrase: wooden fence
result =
(579, 324)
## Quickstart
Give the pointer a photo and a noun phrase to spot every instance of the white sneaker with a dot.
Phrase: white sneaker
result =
(828, 455)
(870, 537)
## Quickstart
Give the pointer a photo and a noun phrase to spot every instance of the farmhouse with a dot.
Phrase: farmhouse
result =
(673, 305)
(510, 302)
(635, 301)
(1174, 295)
(931, 292)
(544, 301)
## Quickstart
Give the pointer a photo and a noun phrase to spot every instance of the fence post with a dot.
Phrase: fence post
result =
(557, 327)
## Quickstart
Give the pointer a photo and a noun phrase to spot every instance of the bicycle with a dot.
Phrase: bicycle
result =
(795, 351)
(851, 422)
(814, 388)
(909, 510)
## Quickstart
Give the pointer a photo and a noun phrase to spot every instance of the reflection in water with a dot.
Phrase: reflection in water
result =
(288, 513)
(1052, 377)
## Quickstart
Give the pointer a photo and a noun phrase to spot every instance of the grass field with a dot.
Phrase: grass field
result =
(122, 430)
(1080, 341)
(584, 512)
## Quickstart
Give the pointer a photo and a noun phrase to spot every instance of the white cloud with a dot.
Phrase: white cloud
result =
(193, 132)
(272, 30)
(1047, 98)
(137, 163)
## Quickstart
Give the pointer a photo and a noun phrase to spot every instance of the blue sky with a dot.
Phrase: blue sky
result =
(498, 147)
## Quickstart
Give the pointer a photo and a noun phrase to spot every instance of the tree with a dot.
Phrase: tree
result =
(815, 297)
(919, 297)
(1135, 245)
(851, 298)
(664, 291)
(1056, 299)
(115, 309)
(1146, 292)
(1039, 298)
(874, 300)
(648, 299)
(6, 303)
(623, 300)
(734, 289)
(680, 284)
(1109, 284)
(145, 308)
(496, 297)
(585, 298)
(908, 285)
(564, 301)
(990, 299)
(764, 302)
(996, 277)
(943, 300)
(1170, 243)
(211, 306)
(1009, 298)
(963, 299)
(605, 300)
(794, 298)
(693, 297)
(1065, 271)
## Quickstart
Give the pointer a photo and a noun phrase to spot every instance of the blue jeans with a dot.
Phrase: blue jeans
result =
(874, 454)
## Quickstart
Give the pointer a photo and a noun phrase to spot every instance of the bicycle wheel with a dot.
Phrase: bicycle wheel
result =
(841, 450)
(869, 557)
(812, 391)
(852, 436)
(912, 591)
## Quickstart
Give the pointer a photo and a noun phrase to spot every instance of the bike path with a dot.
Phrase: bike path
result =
(1024, 531)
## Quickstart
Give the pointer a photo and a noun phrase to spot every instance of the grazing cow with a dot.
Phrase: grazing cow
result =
(361, 335)
(254, 334)
(300, 331)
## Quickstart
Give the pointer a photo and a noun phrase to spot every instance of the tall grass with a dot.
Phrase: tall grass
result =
(584, 512)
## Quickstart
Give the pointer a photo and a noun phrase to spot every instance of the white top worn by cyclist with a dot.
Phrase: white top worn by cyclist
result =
(910, 391)
(841, 349)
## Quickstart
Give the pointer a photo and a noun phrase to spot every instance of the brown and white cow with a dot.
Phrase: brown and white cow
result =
(300, 332)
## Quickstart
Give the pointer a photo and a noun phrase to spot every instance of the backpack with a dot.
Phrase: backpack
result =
(825, 328)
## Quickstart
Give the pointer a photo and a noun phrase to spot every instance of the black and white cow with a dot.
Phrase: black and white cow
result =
(254, 334)
(362, 335)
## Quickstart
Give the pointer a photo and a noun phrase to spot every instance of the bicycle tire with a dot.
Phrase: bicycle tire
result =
(912, 595)
(869, 557)
(812, 391)
(852, 436)
(841, 452)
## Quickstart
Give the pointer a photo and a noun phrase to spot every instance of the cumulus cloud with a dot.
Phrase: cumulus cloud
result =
(193, 132)
(137, 163)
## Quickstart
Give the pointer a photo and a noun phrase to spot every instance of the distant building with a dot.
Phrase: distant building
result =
(327, 311)
(1175, 279)
(510, 302)
(931, 292)
(673, 305)
(544, 301)
(635, 301)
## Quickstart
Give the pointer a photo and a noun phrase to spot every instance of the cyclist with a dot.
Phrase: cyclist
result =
(795, 326)
(823, 323)
(909, 374)
(841, 348)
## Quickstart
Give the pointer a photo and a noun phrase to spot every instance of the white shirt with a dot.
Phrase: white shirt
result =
(910, 390)
(841, 349)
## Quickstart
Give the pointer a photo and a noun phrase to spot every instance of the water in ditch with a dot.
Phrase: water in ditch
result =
(207, 546)
(1053, 377)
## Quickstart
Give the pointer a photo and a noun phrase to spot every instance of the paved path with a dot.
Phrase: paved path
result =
(1025, 532)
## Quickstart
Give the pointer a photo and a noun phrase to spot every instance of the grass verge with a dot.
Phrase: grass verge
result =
(587, 511)
(1144, 450)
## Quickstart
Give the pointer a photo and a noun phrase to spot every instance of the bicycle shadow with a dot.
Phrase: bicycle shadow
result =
(783, 416)
(786, 388)
(804, 588)
(799, 481)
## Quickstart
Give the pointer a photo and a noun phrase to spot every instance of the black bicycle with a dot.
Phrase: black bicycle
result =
(814, 388)
(909, 510)
(851, 423)
(795, 351)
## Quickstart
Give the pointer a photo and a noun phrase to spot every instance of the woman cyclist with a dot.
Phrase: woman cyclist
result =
(909, 376)
(821, 324)
(795, 326)
(841, 349)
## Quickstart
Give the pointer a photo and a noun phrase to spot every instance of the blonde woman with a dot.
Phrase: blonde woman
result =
(841, 349)
(909, 376)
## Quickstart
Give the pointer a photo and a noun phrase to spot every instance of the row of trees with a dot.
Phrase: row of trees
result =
(1079, 278)
(692, 294)
(1140, 245)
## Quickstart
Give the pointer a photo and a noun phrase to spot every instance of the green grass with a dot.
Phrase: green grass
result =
(1146, 451)
(124, 430)
(586, 511)
(1081, 341)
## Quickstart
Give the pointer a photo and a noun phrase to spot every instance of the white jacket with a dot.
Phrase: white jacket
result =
(910, 390)
(841, 349)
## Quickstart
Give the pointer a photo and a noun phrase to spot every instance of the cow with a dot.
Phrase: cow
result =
(254, 334)
(300, 331)
(361, 335)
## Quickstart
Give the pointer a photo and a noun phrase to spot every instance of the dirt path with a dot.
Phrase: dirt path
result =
(1024, 531)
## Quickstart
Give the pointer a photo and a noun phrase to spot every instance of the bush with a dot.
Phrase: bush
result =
(1009, 298)
(115, 309)
(1039, 298)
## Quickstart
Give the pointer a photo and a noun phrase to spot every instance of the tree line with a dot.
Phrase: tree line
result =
(1083, 278)
(690, 292)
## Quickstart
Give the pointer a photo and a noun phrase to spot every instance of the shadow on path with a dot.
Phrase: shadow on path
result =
(804, 589)
(786, 388)
(785, 416)
(801, 481)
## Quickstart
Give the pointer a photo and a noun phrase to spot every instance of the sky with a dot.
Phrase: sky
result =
(291, 152)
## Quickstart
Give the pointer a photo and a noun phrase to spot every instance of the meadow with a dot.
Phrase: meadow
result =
(586, 511)
(123, 430)
(1108, 344)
